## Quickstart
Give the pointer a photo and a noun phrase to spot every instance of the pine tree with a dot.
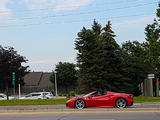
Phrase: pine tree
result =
(111, 60)
(87, 47)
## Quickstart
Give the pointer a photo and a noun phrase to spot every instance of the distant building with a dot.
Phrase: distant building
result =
(37, 81)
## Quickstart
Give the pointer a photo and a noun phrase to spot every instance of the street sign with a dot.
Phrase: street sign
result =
(13, 78)
(150, 76)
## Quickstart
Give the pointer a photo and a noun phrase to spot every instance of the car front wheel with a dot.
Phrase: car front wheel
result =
(80, 104)
(121, 103)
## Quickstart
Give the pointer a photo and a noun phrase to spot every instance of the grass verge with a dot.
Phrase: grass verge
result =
(146, 99)
(32, 102)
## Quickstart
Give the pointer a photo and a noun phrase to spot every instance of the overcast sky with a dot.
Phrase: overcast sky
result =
(44, 31)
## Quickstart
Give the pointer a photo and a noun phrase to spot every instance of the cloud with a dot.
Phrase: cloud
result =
(57, 5)
(5, 12)
(47, 65)
(71, 4)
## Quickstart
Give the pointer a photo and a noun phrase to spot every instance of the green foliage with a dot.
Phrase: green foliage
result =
(53, 92)
(66, 75)
(60, 94)
(72, 93)
(11, 61)
(99, 59)
(152, 44)
(135, 68)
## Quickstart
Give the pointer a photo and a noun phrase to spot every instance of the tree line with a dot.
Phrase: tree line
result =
(103, 64)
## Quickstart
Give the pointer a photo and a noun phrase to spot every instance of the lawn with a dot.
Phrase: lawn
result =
(146, 99)
(63, 101)
(32, 102)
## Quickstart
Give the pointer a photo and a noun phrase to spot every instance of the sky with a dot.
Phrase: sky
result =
(44, 31)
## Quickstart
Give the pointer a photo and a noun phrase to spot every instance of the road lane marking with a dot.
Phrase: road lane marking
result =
(75, 112)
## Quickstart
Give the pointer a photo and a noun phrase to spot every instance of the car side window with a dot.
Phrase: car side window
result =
(36, 95)
(28, 95)
(1, 96)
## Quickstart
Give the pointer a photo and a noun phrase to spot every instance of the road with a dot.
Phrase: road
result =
(51, 107)
(83, 116)
(144, 111)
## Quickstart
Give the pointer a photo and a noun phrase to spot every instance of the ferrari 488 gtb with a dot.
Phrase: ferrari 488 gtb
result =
(101, 99)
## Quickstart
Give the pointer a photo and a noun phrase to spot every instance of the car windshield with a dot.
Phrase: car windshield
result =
(88, 94)
(3, 95)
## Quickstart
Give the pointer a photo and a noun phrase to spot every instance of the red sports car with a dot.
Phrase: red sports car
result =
(97, 99)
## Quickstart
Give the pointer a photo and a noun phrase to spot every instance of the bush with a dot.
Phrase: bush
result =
(72, 93)
(64, 95)
(53, 92)
(60, 94)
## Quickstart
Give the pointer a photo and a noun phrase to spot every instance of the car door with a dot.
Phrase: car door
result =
(99, 100)
(109, 100)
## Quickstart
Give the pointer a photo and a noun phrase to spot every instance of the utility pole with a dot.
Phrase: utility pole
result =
(19, 86)
(55, 82)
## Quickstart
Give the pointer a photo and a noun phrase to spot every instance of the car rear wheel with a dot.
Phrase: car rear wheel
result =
(121, 103)
(80, 104)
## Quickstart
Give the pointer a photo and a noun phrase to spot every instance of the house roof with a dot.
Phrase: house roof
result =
(32, 79)
(37, 79)
(45, 80)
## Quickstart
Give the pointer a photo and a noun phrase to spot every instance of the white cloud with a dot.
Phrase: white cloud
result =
(57, 5)
(71, 4)
(47, 65)
(5, 12)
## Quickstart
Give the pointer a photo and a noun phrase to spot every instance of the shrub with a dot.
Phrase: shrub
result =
(53, 92)
(72, 93)
(59, 94)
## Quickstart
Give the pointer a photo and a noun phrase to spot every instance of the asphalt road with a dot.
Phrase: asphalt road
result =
(61, 107)
(83, 116)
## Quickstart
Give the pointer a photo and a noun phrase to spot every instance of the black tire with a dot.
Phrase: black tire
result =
(121, 103)
(80, 104)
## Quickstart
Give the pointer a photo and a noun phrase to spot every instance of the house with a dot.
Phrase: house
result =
(37, 81)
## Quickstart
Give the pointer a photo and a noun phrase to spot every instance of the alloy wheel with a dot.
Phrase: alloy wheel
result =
(121, 103)
(80, 104)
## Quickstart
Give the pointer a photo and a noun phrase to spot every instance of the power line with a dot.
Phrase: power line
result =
(73, 21)
(73, 6)
(81, 13)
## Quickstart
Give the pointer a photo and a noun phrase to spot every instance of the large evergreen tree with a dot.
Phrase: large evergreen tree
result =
(99, 59)
(87, 58)
(111, 61)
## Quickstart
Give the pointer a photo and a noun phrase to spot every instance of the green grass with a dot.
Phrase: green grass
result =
(32, 102)
(146, 99)
(63, 101)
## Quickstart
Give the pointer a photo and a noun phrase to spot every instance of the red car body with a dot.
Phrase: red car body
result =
(107, 100)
